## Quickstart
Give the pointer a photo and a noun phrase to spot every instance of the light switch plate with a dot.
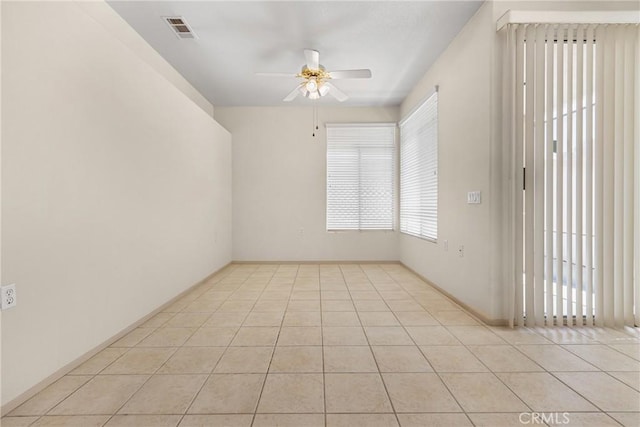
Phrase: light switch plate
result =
(474, 198)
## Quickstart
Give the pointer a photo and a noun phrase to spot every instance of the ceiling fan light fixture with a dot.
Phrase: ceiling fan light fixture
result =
(312, 85)
(323, 90)
(313, 95)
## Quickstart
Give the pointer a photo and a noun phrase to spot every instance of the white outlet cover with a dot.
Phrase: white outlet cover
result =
(8, 296)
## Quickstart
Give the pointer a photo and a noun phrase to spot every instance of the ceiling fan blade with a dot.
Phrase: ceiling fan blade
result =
(337, 93)
(276, 75)
(313, 59)
(292, 95)
(351, 74)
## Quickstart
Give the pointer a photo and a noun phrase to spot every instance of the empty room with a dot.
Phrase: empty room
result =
(320, 213)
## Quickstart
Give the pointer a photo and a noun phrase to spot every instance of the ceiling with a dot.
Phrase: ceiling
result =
(397, 40)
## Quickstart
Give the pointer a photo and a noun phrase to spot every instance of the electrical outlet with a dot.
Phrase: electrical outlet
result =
(474, 197)
(301, 232)
(9, 297)
(461, 251)
(446, 245)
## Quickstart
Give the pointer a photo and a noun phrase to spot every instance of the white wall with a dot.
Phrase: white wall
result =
(279, 186)
(116, 188)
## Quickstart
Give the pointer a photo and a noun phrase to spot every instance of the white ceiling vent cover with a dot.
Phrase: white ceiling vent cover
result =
(180, 27)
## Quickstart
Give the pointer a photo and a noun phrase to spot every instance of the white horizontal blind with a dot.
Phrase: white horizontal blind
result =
(360, 176)
(572, 124)
(419, 171)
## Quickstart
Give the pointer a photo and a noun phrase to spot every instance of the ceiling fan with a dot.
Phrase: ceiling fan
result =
(315, 79)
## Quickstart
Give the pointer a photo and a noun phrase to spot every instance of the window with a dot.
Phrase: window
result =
(360, 176)
(419, 171)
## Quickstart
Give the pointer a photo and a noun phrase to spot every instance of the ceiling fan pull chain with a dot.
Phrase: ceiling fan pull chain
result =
(313, 115)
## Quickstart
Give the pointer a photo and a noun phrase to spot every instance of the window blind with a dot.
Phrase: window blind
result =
(419, 171)
(360, 176)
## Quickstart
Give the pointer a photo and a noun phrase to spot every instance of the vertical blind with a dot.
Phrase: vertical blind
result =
(419, 171)
(570, 99)
(360, 176)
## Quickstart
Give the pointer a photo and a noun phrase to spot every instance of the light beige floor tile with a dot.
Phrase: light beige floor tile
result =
(503, 358)
(304, 295)
(387, 335)
(356, 393)
(604, 357)
(212, 337)
(300, 335)
(361, 420)
(167, 337)
(371, 305)
(202, 306)
(72, 421)
(454, 358)
(187, 320)
(519, 336)
(42, 402)
(338, 305)
(392, 292)
(133, 337)
(434, 420)
(453, 317)
(365, 295)
(244, 360)
(542, 392)
(419, 392)
(255, 336)
(479, 392)
(18, 421)
(289, 420)
(378, 318)
(349, 359)
(216, 421)
(632, 379)
(140, 361)
(402, 305)
(228, 394)
(340, 318)
(335, 295)
(400, 359)
(157, 320)
(270, 306)
(304, 305)
(502, 419)
(627, 419)
(104, 394)
(264, 318)
(604, 391)
(165, 394)
(225, 320)
(100, 361)
(555, 358)
(416, 318)
(564, 335)
(584, 419)
(475, 335)
(339, 335)
(609, 335)
(297, 359)
(192, 360)
(432, 335)
(245, 295)
(300, 318)
(237, 306)
(292, 393)
(631, 350)
(144, 420)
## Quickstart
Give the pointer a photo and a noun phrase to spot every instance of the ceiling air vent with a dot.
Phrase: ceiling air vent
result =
(180, 27)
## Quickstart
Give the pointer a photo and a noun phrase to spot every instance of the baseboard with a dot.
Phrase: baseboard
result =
(316, 262)
(478, 315)
(26, 395)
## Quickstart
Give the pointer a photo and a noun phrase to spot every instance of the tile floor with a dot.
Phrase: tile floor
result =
(341, 345)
